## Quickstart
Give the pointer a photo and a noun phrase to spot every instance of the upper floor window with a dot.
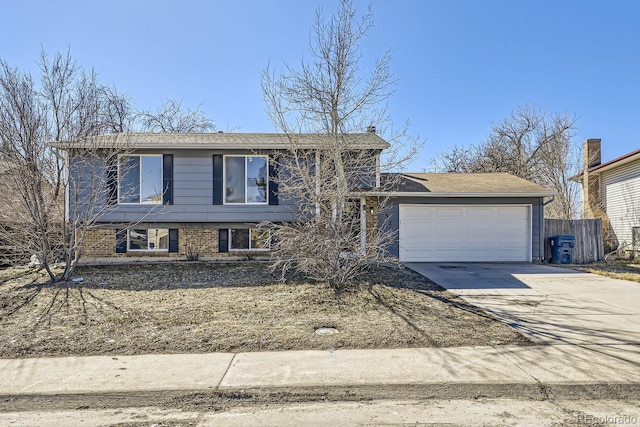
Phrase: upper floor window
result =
(140, 179)
(245, 179)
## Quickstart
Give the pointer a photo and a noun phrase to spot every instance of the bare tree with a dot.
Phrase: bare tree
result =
(331, 178)
(533, 145)
(172, 117)
(118, 113)
(70, 105)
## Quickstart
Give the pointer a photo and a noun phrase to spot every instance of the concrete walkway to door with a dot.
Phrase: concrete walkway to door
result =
(548, 304)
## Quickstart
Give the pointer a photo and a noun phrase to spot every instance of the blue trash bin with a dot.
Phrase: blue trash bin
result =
(562, 249)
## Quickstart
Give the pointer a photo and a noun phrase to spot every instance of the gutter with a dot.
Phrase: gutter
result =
(622, 160)
(466, 195)
(203, 146)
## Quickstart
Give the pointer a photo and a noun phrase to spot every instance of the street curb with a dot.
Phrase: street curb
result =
(224, 397)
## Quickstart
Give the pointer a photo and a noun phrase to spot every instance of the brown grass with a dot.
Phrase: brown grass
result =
(175, 308)
(619, 269)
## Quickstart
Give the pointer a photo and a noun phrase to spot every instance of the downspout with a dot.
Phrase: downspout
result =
(542, 242)
(363, 225)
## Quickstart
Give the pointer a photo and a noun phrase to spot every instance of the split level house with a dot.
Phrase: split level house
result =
(611, 191)
(205, 193)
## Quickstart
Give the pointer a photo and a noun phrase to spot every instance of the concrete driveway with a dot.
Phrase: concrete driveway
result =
(548, 304)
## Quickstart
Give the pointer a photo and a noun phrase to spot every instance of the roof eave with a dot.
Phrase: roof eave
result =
(577, 178)
(462, 195)
(200, 146)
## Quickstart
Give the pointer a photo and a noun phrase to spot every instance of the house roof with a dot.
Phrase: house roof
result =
(220, 140)
(467, 185)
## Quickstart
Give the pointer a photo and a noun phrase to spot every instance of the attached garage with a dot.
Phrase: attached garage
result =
(471, 217)
(464, 233)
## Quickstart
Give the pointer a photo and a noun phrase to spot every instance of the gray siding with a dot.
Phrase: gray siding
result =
(389, 218)
(362, 169)
(193, 193)
(87, 190)
(621, 195)
(193, 197)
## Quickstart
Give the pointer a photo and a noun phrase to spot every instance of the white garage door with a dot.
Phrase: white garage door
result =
(465, 233)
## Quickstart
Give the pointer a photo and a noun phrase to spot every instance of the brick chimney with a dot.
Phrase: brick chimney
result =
(592, 153)
(592, 202)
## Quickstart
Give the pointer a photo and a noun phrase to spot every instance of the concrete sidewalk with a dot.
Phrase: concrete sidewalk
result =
(555, 369)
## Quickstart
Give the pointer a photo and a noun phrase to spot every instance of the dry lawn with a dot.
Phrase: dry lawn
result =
(199, 307)
(619, 269)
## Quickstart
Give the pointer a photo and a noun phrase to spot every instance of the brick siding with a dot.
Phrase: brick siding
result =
(99, 243)
(202, 242)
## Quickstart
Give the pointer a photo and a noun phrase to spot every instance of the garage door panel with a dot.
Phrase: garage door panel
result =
(465, 233)
(507, 234)
(485, 228)
(509, 213)
(420, 247)
(417, 214)
(447, 229)
(479, 240)
(446, 254)
(418, 255)
(509, 254)
(508, 230)
(482, 214)
(478, 255)
(449, 213)
(446, 245)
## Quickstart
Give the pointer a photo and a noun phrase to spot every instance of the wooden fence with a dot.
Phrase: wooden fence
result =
(589, 245)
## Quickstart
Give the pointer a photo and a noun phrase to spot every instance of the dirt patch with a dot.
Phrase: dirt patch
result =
(617, 270)
(200, 307)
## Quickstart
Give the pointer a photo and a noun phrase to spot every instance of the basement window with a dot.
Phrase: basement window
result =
(249, 239)
(152, 239)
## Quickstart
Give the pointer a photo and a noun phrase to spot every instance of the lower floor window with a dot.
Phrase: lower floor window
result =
(243, 239)
(152, 239)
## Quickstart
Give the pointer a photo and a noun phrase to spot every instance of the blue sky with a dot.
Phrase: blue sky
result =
(461, 64)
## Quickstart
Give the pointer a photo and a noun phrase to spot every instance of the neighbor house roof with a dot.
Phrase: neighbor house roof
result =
(220, 140)
(611, 164)
(465, 185)
(619, 161)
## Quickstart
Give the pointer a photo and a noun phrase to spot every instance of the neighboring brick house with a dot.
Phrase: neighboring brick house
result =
(181, 194)
(611, 191)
